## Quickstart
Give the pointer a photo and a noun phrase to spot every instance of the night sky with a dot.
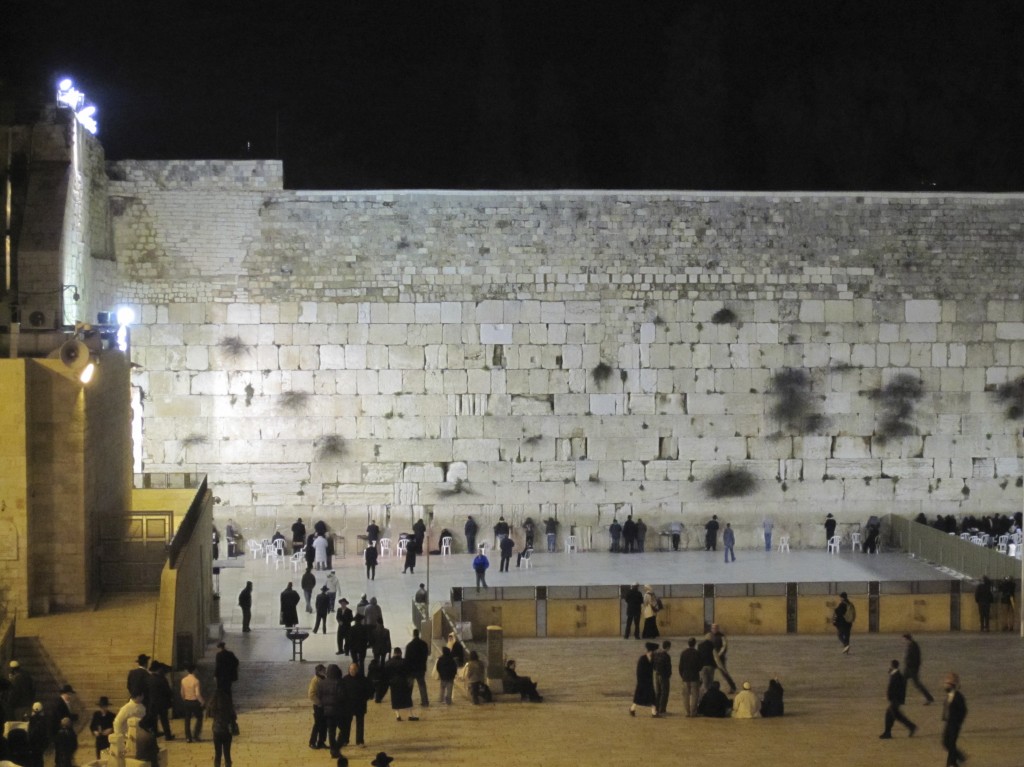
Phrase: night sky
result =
(895, 95)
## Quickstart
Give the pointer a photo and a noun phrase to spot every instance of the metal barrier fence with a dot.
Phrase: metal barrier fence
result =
(947, 550)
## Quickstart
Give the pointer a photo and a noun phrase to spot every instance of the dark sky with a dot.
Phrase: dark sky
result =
(830, 94)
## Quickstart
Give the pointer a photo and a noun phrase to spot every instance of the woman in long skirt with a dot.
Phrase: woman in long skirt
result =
(643, 695)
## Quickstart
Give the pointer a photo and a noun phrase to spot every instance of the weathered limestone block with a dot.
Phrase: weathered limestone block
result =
(853, 469)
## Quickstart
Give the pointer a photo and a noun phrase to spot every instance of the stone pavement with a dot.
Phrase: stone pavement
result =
(835, 703)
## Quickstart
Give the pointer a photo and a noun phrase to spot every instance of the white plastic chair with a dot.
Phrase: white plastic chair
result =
(446, 546)
(298, 560)
(571, 544)
(1003, 544)
(527, 558)
(385, 547)
(855, 542)
(783, 543)
(483, 546)
(255, 547)
(402, 547)
(276, 553)
(833, 544)
(965, 536)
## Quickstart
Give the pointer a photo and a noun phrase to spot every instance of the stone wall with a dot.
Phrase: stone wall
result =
(586, 355)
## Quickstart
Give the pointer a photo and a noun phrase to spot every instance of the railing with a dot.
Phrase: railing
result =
(947, 550)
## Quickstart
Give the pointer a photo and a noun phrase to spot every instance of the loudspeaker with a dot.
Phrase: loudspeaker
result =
(74, 354)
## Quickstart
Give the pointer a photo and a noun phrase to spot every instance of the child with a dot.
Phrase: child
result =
(102, 725)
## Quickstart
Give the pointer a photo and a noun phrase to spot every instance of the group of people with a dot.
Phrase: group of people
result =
(628, 537)
(702, 693)
(994, 525)
(150, 697)
(1004, 594)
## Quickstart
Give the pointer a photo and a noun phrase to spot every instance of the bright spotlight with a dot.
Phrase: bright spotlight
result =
(125, 315)
(87, 373)
(74, 99)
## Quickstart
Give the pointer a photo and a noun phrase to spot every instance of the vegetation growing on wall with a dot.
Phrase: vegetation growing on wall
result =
(730, 483)
(794, 402)
(233, 346)
(724, 316)
(602, 372)
(1012, 395)
(897, 400)
(329, 446)
(294, 400)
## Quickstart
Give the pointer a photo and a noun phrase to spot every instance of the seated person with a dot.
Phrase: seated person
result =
(746, 704)
(714, 703)
(771, 704)
(146, 748)
(513, 683)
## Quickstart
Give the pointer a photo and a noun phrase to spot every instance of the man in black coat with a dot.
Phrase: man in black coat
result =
(912, 668)
(225, 668)
(323, 608)
(629, 535)
(689, 670)
(356, 690)
(245, 602)
(160, 697)
(345, 618)
(358, 641)
(711, 534)
(634, 604)
(954, 711)
(896, 694)
(830, 528)
(62, 709)
(507, 546)
(298, 535)
(416, 654)
(470, 531)
(983, 598)
(289, 607)
(138, 679)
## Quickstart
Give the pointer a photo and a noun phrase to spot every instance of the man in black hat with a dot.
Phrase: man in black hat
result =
(896, 694)
(912, 668)
(323, 609)
(345, 618)
(160, 697)
(138, 678)
(842, 618)
(381, 760)
(830, 528)
(102, 725)
(62, 709)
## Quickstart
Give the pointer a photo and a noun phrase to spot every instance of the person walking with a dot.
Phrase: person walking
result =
(344, 618)
(358, 641)
(954, 711)
(649, 613)
(711, 534)
(308, 583)
(729, 543)
(842, 618)
(417, 652)
(323, 609)
(721, 653)
(370, 557)
(192, 703)
(357, 691)
(662, 662)
(643, 693)
(896, 694)
(480, 565)
(333, 587)
(912, 668)
(634, 605)
(223, 723)
(245, 602)
(689, 671)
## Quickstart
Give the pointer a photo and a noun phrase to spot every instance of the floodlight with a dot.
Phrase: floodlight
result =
(125, 315)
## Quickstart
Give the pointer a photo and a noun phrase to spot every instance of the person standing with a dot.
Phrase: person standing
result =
(370, 557)
(138, 678)
(421, 597)
(689, 671)
(344, 618)
(983, 598)
(501, 530)
(896, 694)
(446, 669)
(842, 618)
(160, 697)
(954, 711)
(225, 669)
(417, 652)
(62, 709)
(298, 535)
(358, 641)
(675, 529)
(318, 733)
(410, 557)
(615, 533)
(528, 531)
(1007, 609)
(307, 584)
(480, 565)
(706, 656)
(551, 532)
(224, 723)
(333, 587)
(641, 535)
(102, 725)
(634, 604)
(912, 668)
(662, 662)
(320, 546)
(65, 743)
(356, 691)
(474, 671)
(830, 528)
(193, 703)
(643, 693)
(649, 613)
(507, 546)
(396, 674)
(372, 533)
(323, 609)
(711, 534)
(289, 607)
(629, 534)
(768, 525)
(470, 530)
(245, 602)
(21, 693)
(332, 702)
(729, 543)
